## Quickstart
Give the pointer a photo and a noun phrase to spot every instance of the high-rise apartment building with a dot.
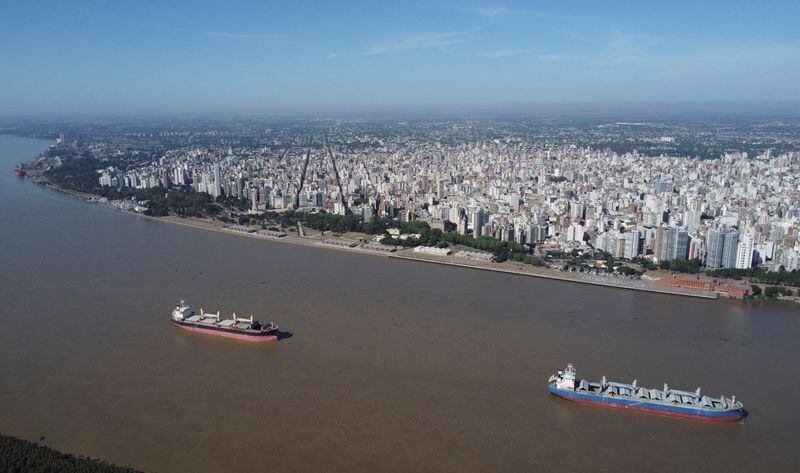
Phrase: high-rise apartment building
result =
(744, 253)
(721, 248)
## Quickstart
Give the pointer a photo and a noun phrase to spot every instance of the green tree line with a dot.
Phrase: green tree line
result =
(780, 277)
(21, 456)
(80, 174)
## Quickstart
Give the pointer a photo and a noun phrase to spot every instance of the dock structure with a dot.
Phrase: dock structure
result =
(475, 255)
(272, 234)
(432, 250)
(241, 228)
(379, 248)
(340, 242)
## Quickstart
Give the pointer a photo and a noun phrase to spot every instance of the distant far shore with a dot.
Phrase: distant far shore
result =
(507, 267)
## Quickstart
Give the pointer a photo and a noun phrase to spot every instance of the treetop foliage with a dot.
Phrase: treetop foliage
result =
(21, 456)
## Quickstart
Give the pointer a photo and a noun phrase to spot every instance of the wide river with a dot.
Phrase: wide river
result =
(392, 365)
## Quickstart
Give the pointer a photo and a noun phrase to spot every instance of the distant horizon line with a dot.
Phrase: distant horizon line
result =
(451, 110)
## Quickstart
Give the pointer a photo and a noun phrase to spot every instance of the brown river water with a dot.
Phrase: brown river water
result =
(391, 365)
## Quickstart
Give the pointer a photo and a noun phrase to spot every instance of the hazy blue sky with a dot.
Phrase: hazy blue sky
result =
(244, 57)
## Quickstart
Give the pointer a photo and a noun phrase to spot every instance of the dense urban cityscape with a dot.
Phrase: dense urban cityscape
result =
(506, 181)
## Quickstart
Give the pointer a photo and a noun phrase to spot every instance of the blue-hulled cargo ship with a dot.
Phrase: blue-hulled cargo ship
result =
(665, 402)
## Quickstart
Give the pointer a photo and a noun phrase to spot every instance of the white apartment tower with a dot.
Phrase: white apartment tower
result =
(744, 252)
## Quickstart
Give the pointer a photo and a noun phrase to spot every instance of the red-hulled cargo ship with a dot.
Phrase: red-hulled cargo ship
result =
(20, 170)
(239, 328)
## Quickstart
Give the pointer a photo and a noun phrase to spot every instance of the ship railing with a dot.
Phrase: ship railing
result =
(623, 389)
(620, 385)
(209, 314)
(682, 397)
(653, 394)
(685, 393)
(610, 390)
(687, 400)
(593, 387)
(671, 397)
(241, 319)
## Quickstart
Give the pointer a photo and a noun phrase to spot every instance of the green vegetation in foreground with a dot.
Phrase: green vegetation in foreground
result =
(771, 292)
(775, 291)
(21, 456)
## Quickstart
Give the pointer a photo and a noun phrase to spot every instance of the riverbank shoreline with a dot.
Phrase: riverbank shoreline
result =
(409, 255)
(557, 277)
(402, 254)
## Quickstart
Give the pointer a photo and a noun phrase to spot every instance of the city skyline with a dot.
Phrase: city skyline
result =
(248, 58)
(682, 196)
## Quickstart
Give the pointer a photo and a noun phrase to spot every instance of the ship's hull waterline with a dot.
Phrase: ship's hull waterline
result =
(221, 333)
(650, 408)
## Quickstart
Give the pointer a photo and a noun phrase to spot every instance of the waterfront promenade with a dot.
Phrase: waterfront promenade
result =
(508, 267)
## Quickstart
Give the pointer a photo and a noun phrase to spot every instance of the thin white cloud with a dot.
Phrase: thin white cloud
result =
(627, 48)
(555, 57)
(503, 53)
(491, 11)
(501, 10)
(256, 38)
(236, 35)
(432, 40)
(637, 41)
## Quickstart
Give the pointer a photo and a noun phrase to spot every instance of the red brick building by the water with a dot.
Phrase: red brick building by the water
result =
(700, 283)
